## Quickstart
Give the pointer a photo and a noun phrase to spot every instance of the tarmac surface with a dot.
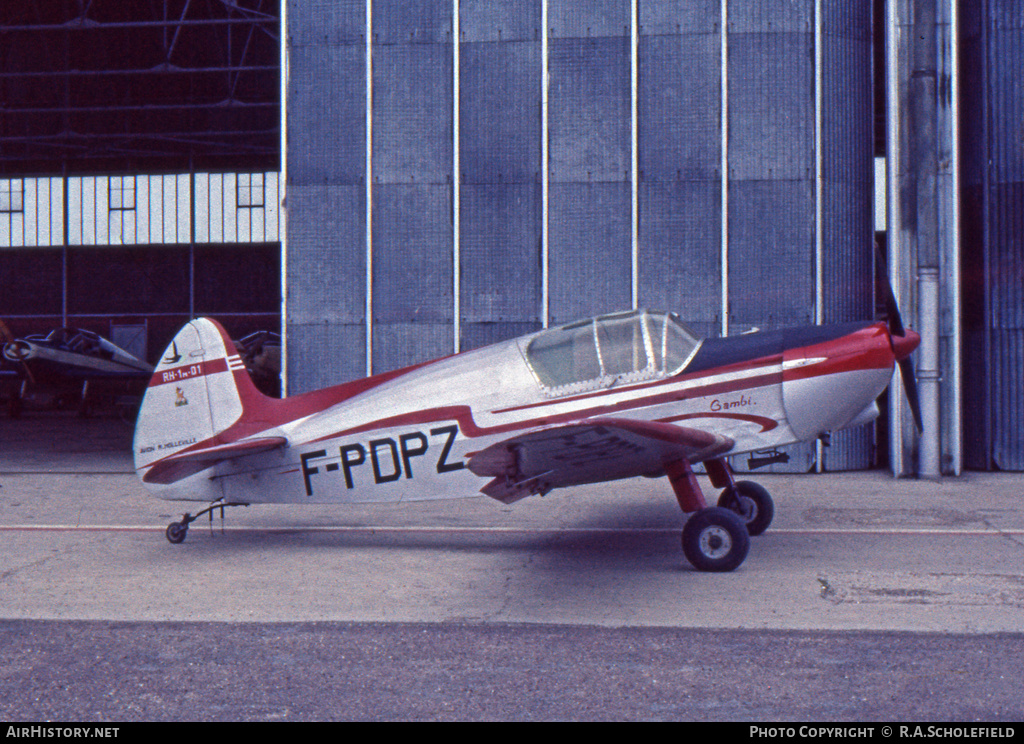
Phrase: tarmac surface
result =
(869, 599)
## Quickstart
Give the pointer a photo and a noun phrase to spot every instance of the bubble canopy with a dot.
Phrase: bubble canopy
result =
(602, 351)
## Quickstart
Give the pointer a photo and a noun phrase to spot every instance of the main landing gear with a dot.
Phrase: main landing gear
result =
(717, 538)
(177, 531)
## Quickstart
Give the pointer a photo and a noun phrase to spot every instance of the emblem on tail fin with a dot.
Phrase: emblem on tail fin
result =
(174, 357)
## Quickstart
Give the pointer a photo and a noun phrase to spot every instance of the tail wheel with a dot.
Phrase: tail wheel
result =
(752, 503)
(176, 532)
(715, 539)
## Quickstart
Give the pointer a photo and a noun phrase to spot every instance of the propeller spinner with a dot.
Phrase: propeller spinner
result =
(14, 350)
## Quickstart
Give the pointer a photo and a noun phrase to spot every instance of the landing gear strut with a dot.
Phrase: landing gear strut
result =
(717, 538)
(177, 531)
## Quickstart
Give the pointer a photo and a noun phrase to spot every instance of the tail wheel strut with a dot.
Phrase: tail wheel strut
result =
(177, 531)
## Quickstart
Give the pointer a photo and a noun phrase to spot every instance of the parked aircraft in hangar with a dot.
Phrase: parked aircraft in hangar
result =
(70, 364)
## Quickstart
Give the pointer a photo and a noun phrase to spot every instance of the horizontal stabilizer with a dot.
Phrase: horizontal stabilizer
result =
(591, 451)
(176, 467)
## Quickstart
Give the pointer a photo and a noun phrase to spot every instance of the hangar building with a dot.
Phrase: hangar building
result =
(459, 172)
(139, 167)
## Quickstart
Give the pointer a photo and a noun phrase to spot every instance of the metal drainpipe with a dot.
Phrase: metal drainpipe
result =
(895, 161)
(924, 110)
(928, 375)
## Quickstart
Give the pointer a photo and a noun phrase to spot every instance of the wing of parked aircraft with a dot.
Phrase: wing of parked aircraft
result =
(592, 451)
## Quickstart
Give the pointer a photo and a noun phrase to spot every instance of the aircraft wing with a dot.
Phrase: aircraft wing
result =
(590, 451)
(176, 467)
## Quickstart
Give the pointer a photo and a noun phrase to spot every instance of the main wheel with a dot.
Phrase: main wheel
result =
(752, 502)
(715, 539)
(176, 532)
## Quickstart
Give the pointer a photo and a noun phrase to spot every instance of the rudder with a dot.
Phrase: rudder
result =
(199, 389)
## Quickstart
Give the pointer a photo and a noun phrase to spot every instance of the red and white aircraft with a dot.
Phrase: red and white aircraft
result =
(613, 397)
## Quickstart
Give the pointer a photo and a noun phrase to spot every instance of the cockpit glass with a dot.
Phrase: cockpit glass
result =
(680, 345)
(622, 344)
(565, 355)
(628, 346)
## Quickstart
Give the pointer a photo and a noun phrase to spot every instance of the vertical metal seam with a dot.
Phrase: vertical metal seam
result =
(724, 164)
(956, 420)
(65, 239)
(545, 298)
(282, 189)
(819, 450)
(192, 240)
(634, 124)
(896, 459)
(456, 185)
(988, 398)
(819, 214)
(368, 320)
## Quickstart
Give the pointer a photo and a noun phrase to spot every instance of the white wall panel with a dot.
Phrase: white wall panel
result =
(162, 212)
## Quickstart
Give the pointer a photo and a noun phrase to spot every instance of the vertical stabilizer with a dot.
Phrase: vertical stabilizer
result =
(199, 389)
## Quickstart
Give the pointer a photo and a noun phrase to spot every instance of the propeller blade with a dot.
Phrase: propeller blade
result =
(910, 388)
(907, 341)
(892, 310)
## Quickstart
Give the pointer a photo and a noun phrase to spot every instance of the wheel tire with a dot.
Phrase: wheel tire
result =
(176, 532)
(755, 506)
(715, 539)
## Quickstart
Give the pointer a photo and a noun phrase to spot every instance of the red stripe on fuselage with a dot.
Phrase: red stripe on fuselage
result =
(464, 415)
(681, 377)
(766, 424)
(868, 348)
(188, 372)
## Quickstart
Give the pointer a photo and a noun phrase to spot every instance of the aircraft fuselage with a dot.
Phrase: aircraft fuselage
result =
(408, 435)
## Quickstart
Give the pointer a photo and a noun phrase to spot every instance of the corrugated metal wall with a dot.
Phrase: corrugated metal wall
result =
(325, 264)
(993, 256)
(500, 272)
(846, 191)
(534, 161)
(412, 183)
(589, 122)
(923, 217)
(680, 94)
